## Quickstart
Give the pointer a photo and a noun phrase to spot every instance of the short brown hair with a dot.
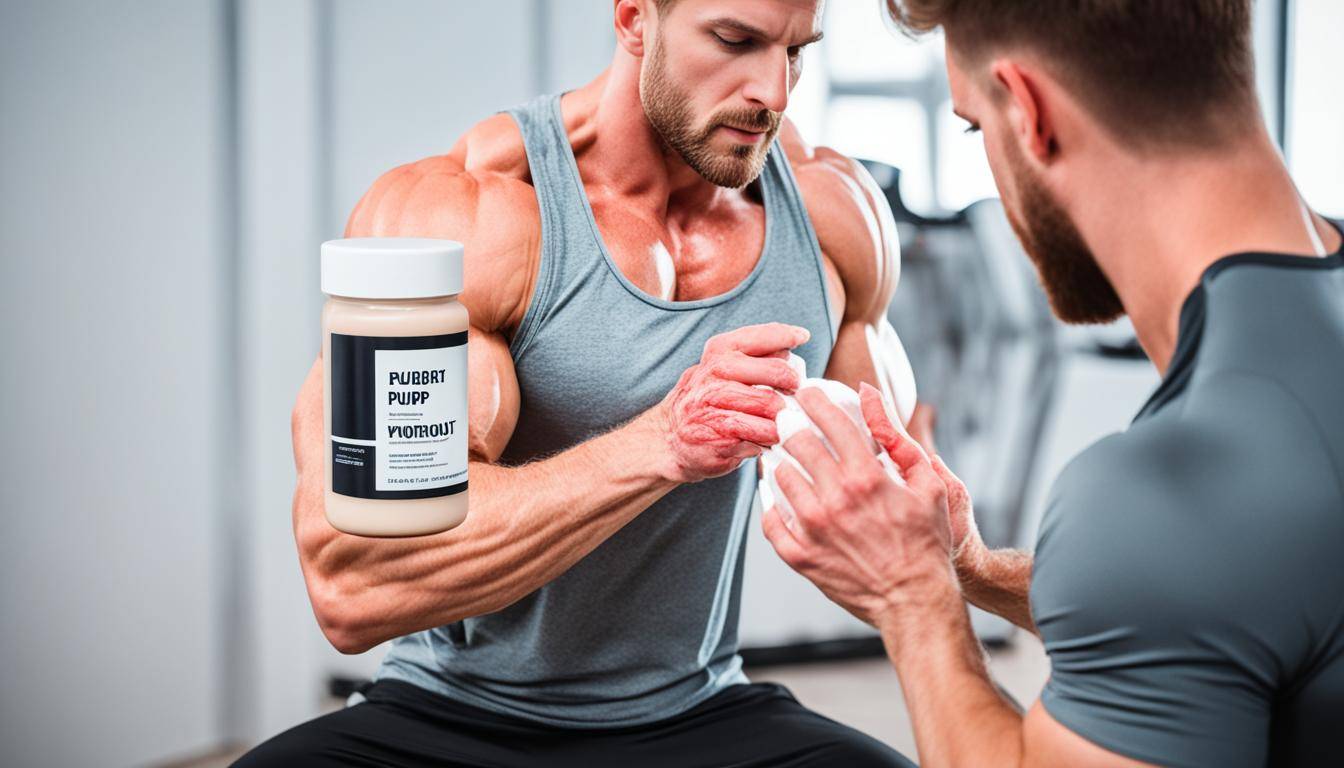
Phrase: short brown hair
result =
(1155, 71)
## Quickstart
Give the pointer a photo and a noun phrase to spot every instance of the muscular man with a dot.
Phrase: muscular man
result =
(1186, 580)
(640, 253)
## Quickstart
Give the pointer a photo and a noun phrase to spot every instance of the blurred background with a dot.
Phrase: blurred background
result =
(167, 171)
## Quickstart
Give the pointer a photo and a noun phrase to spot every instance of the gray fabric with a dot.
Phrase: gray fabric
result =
(645, 626)
(1187, 579)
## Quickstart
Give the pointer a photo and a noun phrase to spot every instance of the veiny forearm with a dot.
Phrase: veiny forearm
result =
(998, 581)
(959, 717)
(526, 526)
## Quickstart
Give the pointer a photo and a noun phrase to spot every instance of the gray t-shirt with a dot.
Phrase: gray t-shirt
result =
(1189, 573)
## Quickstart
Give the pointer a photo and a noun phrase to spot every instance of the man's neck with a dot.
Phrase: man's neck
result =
(620, 153)
(1158, 229)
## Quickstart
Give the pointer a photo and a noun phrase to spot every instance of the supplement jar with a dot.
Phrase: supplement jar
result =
(394, 358)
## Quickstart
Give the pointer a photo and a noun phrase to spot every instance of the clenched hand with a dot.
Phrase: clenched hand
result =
(716, 416)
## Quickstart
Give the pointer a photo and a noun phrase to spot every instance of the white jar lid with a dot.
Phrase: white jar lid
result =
(391, 267)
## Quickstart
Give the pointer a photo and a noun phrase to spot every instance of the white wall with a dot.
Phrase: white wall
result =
(1315, 142)
(169, 169)
(408, 78)
(275, 678)
(333, 94)
(113, 393)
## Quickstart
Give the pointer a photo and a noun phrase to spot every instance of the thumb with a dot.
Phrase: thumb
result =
(957, 495)
(903, 450)
(875, 414)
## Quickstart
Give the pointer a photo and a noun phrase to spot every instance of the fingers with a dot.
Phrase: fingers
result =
(913, 464)
(875, 414)
(306, 421)
(957, 495)
(781, 537)
(807, 449)
(910, 459)
(878, 414)
(799, 492)
(943, 472)
(736, 396)
(744, 451)
(850, 444)
(770, 371)
(757, 340)
(961, 518)
(745, 427)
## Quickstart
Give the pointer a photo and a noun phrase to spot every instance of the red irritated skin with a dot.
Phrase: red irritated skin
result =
(717, 415)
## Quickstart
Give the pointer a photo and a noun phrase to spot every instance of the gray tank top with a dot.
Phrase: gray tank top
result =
(645, 626)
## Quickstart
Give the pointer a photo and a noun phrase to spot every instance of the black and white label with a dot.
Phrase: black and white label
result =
(398, 416)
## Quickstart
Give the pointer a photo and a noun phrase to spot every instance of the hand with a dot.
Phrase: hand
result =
(869, 542)
(716, 416)
(966, 542)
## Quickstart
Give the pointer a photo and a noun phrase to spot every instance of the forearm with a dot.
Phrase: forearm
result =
(998, 581)
(959, 717)
(526, 526)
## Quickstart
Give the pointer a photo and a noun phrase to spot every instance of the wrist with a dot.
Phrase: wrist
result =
(929, 588)
(650, 432)
(918, 611)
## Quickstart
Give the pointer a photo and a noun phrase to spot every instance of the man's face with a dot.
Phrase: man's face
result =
(718, 76)
(1078, 290)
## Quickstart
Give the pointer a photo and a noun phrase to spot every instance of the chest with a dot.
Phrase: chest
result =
(605, 354)
(682, 258)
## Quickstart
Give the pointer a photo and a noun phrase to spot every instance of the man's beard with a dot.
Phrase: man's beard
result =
(667, 107)
(1079, 292)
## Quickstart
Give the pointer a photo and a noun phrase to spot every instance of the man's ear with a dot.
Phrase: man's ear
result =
(1027, 115)
(630, 22)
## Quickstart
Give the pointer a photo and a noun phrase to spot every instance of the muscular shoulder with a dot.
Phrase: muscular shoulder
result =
(1184, 576)
(852, 220)
(1225, 496)
(479, 194)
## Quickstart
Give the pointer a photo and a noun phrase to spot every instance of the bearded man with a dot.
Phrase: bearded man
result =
(641, 254)
(1186, 579)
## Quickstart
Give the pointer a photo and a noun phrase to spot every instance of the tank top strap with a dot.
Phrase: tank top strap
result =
(795, 254)
(569, 246)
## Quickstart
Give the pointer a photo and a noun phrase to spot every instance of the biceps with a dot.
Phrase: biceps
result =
(1047, 744)
(493, 397)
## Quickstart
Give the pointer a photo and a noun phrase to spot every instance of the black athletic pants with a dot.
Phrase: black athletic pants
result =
(403, 725)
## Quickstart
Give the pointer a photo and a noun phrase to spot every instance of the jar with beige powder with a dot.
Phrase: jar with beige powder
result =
(394, 351)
